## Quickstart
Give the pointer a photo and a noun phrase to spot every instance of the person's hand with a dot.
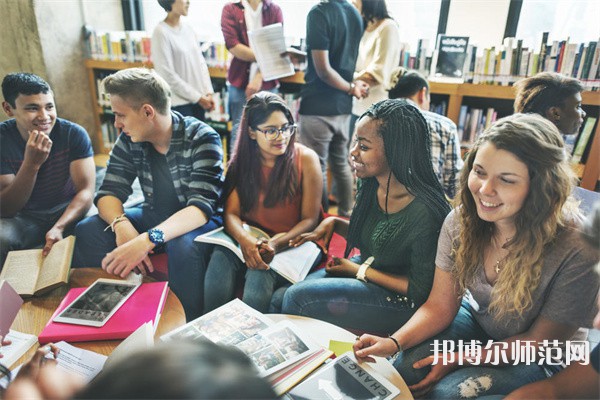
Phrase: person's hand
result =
(41, 379)
(207, 102)
(322, 233)
(254, 85)
(296, 56)
(367, 346)
(37, 149)
(122, 260)
(52, 236)
(266, 250)
(31, 369)
(361, 89)
(537, 390)
(3, 342)
(438, 371)
(124, 232)
(341, 267)
(251, 251)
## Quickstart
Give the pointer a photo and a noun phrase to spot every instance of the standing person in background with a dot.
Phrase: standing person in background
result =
(47, 173)
(445, 144)
(553, 96)
(243, 76)
(378, 54)
(178, 59)
(333, 32)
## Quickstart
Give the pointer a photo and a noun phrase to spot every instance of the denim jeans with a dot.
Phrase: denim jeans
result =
(473, 381)
(186, 276)
(348, 303)
(236, 102)
(191, 110)
(223, 273)
(28, 229)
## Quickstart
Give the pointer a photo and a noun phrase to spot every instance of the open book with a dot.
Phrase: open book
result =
(268, 44)
(293, 263)
(345, 378)
(280, 351)
(31, 274)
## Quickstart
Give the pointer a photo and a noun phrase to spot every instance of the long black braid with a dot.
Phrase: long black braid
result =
(407, 145)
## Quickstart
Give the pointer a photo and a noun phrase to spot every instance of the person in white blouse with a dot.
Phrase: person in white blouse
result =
(378, 54)
(178, 59)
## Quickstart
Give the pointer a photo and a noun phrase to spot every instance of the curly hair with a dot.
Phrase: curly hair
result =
(538, 93)
(407, 145)
(548, 208)
(244, 171)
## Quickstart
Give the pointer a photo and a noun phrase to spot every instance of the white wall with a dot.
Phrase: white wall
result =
(483, 21)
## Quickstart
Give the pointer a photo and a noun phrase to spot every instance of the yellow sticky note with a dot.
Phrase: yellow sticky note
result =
(340, 348)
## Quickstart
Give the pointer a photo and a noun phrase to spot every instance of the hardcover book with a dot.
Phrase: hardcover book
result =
(449, 59)
(31, 274)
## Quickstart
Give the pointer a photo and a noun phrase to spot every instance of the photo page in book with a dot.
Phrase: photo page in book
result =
(271, 346)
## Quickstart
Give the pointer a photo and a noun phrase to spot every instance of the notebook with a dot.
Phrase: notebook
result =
(146, 304)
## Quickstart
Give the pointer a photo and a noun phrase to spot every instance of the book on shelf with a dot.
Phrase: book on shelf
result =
(128, 46)
(32, 274)
(344, 378)
(11, 304)
(293, 263)
(449, 59)
(281, 352)
(145, 304)
(20, 344)
(584, 139)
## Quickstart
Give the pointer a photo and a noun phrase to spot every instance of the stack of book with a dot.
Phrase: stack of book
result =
(119, 46)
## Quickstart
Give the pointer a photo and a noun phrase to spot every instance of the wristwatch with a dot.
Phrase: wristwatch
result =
(361, 274)
(351, 90)
(156, 236)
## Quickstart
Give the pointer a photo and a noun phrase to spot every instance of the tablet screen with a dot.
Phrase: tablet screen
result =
(98, 303)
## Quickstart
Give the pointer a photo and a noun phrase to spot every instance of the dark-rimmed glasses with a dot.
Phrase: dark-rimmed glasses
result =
(272, 134)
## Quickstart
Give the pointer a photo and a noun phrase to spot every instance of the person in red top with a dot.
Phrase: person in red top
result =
(243, 77)
(272, 182)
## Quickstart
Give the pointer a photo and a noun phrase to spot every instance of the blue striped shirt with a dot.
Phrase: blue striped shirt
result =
(195, 160)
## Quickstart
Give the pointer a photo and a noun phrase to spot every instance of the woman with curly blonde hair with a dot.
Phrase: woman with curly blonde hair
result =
(513, 274)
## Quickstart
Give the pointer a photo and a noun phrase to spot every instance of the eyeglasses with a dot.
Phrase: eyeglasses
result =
(272, 134)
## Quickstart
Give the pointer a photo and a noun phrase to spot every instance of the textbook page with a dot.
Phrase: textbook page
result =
(84, 363)
(268, 44)
(21, 270)
(295, 263)
(21, 342)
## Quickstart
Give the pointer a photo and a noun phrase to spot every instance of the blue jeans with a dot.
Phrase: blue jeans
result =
(348, 303)
(236, 102)
(27, 230)
(186, 276)
(473, 381)
(224, 272)
(191, 110)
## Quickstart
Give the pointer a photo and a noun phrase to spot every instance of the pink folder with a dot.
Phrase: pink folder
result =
(145, 304)
(10, 304)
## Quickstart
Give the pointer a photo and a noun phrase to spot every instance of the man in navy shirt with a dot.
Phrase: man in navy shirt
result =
(47, 173)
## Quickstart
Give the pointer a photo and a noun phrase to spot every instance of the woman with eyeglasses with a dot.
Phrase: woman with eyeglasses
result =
(399, 211)
(273, 183)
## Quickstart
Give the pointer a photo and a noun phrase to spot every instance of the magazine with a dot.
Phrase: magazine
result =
(275, 348)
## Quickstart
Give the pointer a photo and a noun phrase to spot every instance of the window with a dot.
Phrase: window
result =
(576, 20)
(416, 18)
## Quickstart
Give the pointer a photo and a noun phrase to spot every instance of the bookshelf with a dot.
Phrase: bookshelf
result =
(456, 94)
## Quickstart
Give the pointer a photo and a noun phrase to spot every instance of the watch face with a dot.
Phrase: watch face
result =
(156, 236)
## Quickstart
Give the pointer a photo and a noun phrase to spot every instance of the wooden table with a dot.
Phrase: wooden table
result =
(36, 312)
(322, 332)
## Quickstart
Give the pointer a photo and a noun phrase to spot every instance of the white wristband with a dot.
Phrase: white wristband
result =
(361, 274)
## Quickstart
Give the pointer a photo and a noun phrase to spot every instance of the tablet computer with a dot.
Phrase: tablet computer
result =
(98, 302)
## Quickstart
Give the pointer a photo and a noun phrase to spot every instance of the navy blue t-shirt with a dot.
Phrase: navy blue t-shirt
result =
(335, 26)
(53, 186)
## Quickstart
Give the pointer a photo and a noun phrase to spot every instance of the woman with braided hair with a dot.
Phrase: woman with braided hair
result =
(399, 210)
